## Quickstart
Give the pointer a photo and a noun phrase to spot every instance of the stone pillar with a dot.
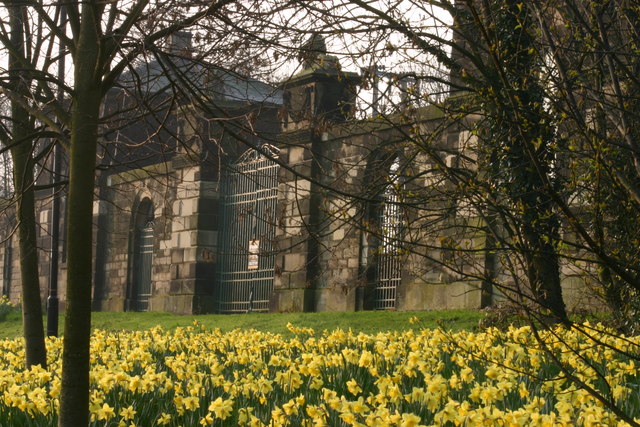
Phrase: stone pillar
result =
(194, 236)
(338, 276)
(294, 263)
(316, 99)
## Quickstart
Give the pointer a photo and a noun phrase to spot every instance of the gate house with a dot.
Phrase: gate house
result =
(261, 220)
(248, 223)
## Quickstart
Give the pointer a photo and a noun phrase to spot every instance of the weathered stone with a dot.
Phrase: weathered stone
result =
(294, 262)
(296, 155)
(177, 256)
(319, 259)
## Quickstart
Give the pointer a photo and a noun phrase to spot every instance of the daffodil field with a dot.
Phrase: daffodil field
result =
(195, 376)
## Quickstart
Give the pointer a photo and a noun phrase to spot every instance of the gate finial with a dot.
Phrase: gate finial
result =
(312, 50)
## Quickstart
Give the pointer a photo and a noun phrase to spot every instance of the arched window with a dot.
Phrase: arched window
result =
(141, 263)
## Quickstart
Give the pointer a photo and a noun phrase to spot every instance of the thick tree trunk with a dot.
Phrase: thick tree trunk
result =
(36, 353)
(544, 270)
(524, 141)
(74, 397)
(23, 164)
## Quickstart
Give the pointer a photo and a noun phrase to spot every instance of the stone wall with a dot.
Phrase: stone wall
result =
(328, 235)
(10, 253)
(121, 197)
(328, 238)
(185, 208)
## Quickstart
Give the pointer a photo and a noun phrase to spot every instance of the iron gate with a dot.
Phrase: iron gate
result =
(143, 262)
(250, 190)
(389, 266)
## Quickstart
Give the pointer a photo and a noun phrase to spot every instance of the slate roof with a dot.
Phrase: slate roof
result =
(199, 79)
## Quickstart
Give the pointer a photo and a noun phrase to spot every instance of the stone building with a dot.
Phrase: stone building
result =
(276, 199)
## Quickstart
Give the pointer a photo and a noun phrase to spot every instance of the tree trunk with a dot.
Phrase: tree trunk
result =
(23, 168)
(544, 270)
(74, 397)
(524, 145)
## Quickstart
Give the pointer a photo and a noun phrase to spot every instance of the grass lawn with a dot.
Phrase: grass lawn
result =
(363, 321)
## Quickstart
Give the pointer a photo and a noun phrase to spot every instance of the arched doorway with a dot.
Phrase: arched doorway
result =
(388, 265)
(140, 267)
(249, 199)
